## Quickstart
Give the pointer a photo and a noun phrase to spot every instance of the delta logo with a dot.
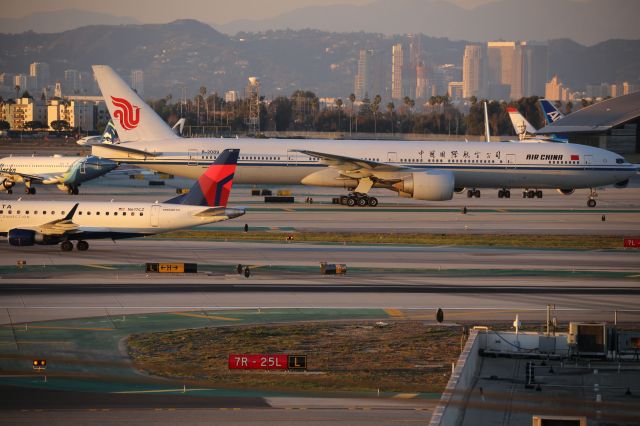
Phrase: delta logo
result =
(128, 115)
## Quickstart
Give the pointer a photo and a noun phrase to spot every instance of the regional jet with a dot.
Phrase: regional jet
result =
(425, 170)
(26, 223)
(68, 173)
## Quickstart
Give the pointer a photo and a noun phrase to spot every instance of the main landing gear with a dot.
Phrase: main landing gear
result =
(80, 245)
(532, 193)
(28, 189)
(358, 199)
(473, 193)
(592, 197)
(73, 190)
(504, 193)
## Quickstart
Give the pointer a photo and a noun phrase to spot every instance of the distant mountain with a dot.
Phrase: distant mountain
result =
(587, 21)
(193, 54)
(61, 20)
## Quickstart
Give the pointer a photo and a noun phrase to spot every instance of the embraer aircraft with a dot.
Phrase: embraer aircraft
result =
(422, 170)
(26, 223)
(65, 172)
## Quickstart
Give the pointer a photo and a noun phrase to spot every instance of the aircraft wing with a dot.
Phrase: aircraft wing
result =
(58, 226)
(121, 149)
(43, 178)
(352, 164)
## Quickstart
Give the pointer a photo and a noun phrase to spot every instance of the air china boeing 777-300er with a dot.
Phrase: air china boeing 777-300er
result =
(423, 170)
(26, 223)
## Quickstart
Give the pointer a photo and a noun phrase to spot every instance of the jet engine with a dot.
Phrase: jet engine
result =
(8, 184)
(565, 191)
(622, 184)
(436, 185)
(459, 190)
(28, 237)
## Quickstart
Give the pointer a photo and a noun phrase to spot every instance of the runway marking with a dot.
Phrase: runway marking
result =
(214, 317)
(394, 312)
(43, 342)
(181, 390)
(100, 266)
(47, 327)
(405, 396)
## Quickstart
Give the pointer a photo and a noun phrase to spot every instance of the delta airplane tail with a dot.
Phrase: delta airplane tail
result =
(132, 117)
(214, 186)
(551, 113)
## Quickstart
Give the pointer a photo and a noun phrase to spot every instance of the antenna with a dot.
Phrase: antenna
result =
(487, 135)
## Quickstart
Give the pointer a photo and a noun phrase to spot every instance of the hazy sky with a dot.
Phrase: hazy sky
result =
(212, 11)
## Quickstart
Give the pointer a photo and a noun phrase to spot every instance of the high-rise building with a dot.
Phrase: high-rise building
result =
(71, 82)
(231, 96)
(628, 88)
(363, 77)
(556, 91)
(397, 61)
(519, 65)
(137, 82)
(456, 90)
(535, 69)
(76, 113)
(422, 82)
(473, 75)
(40, 71)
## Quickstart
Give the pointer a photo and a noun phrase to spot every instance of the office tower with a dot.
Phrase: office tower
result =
(71, 82)
(473, 75)
(40, 72)
(535, 68)
(397, 61)
(137, 82)
(422, 82)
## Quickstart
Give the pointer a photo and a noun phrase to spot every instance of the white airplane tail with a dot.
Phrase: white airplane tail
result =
(132, 117)
(520, 124)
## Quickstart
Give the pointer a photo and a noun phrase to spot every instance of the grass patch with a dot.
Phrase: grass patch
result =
(579, 242)
(404, 356)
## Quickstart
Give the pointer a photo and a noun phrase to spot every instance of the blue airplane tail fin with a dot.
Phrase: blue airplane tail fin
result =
(551, 113)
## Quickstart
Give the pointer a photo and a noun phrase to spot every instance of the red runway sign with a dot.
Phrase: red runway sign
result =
(632, 242)
(258, 362)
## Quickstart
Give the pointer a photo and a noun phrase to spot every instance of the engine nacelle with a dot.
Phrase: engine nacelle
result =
(436, 185)
(28, 237)
(566, 191)
(622, 184)
(459, 190)
(8, 184)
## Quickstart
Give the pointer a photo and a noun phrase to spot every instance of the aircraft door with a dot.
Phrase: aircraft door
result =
(83, 167)
(193, 157)
(511, 159)
(392, 157)
(588, 159)
(155, 215)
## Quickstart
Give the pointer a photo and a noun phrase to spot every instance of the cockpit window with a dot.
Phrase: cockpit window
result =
(619, 160)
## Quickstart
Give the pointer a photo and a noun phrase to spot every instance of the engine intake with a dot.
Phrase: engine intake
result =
(436, 185)
(8, 184)
(565, 191)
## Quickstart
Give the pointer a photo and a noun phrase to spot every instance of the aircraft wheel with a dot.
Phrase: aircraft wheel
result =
(82, 246)
(9, 191)
(247, 272)
(470, 193)
(591, 202)
(539, 193)
(363, 201)
(76, 191)
(351, 201)
(27, 190)
(32, 190)
(500, 193)
(66, 246)
(507, 193)
(343, 200)
(239, 269)
(476, 193)
(531, 194)
(373, 201)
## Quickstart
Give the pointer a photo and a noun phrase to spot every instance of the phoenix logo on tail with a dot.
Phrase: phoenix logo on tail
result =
(127, 114)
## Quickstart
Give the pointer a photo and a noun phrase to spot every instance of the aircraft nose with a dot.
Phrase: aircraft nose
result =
(233, 213)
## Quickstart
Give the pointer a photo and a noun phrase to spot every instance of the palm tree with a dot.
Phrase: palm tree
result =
(339, 105)
(375, 107)
(203, 92)
(352, 98)
(390, 108)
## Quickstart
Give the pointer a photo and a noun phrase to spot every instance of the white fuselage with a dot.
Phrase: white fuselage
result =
(37, 166)
(473, 164)
(105, 217)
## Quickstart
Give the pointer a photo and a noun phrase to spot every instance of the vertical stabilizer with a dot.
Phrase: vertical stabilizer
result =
(133, 119)
(551, 113)
(520, 124)
(214, 186)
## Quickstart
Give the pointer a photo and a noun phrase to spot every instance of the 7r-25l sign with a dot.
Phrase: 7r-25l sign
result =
(267, 362)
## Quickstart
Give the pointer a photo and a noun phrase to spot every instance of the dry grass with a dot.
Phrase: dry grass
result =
(404, 356)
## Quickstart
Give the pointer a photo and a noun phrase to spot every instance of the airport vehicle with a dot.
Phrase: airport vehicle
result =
(26, 223)
(424, 170)
(68, 173)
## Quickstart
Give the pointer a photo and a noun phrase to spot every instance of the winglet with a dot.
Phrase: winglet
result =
(69, 215)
